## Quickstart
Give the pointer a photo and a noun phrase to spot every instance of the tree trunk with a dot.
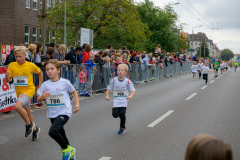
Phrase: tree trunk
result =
(43, 24)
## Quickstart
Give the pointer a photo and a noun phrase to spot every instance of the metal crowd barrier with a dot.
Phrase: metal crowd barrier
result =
(98, 77)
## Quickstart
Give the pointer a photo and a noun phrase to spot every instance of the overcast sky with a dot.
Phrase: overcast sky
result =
(220, 20)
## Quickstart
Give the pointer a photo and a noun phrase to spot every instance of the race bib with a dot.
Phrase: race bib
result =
(21, 80)
(55, 100)
(120, 93)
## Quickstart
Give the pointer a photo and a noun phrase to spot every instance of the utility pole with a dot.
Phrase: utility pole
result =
(204, 43)
(43, 25)
(65, 24)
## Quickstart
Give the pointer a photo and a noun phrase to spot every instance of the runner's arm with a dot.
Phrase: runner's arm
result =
(75, 97)
(40, 79)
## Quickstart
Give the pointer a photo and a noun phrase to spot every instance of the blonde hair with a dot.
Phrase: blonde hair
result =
(62, 47)
(118, 55)
(124, 56)
(31, 48)
(207, 147)
(21, 49)
(124, 66)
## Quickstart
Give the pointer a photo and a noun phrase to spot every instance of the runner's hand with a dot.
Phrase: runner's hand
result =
(128, 97)
(45, 95)
(107, 98)
(7, 74)
(77, 108)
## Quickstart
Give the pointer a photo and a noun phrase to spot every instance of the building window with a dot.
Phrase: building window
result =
(27, 31)
(34, 35)
(196, 43)
(40, 4)
(28, 4)
(35, 5)
(48, 36)
(53, 35)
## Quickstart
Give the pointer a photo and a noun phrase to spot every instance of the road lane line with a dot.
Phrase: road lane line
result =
(217, 77)
(212, 81)
(191, 96)
(105, 158)
(204, 87)
(161, 118)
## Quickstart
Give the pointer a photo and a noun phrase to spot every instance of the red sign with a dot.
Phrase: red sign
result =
(8, 96)
(6, 51)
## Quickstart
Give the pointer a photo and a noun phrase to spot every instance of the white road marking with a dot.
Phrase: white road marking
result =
(160, 119)
(105, 158)
(204, 87)
(212, 81)
(217, 77)
(191, 96)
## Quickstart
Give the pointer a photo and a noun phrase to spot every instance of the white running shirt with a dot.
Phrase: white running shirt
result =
(194, 68)
(205, 69)
(120, 91)
(62, 87)
(221, 65)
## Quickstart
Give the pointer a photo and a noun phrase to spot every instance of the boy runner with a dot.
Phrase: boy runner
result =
(120, 85)
(21, 72)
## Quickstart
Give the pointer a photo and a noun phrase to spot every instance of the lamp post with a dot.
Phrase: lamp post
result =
(192, 35)
(65, 24)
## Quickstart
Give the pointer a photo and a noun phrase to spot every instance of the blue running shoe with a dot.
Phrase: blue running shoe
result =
(66, 153)
(122, 131)
(73, 154)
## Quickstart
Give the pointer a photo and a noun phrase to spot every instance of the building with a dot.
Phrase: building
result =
(19, 21)
(195, 42)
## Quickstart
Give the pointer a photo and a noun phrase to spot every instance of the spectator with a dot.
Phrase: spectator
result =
(31, 50)
(98, 59)
(86, 53)
(37, 55)
(120, 51)
(143, 54)
(53, 45)
(48, 55)
(73, 55)
(133, 58)
(138, 57)
(158, 49)
(83, 79)
(207, 147)
(124, 49)
(110, 49)
(146, 65)
(61, 49)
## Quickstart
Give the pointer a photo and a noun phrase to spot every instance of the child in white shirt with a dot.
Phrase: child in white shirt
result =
(205, 70)
(120, 86)
(221, 67)
(59, 109)
(194, 69)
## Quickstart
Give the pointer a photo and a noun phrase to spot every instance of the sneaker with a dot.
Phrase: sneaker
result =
(121, 131)
(35, 134)
(66, 153)
(73, 151)
(205, 83)
(29, 129)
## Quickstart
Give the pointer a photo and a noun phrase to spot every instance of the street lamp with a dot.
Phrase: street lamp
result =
(192, 35)
(65, 24)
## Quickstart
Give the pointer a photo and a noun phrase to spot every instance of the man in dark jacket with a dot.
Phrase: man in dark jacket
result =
(73, 55)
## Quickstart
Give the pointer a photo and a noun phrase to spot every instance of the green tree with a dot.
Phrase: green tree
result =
(207, 52)
(162, 24)
(113, 22)
(226, 54)
(183, 44)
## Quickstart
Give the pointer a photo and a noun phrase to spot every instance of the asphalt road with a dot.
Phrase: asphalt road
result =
(162, 118)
